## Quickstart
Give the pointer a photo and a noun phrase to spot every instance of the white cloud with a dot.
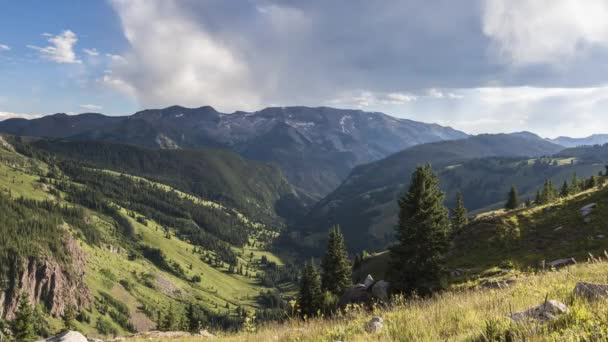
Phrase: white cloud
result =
(11, 115)
(116, 58)
(4, 47)
(61, 49)
(545, 31)
(175, 61)
(91, 107)
(91, 52)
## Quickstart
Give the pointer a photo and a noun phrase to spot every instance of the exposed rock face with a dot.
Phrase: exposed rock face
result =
(369, 281)
(547, 311)
(356, 295)
(591, 291)
(44, 281)
(586, 210)
(380, 290)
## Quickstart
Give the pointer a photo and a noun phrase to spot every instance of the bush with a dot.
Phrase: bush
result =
(105, 327)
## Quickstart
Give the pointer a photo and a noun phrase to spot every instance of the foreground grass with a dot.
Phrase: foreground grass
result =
(472, 315)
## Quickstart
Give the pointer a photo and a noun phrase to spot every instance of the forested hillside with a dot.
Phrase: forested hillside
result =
(126, 254)
(483, 168)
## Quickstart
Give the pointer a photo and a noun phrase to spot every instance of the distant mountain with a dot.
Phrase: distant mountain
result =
(595, 139)
(365, 203)
(315, 147)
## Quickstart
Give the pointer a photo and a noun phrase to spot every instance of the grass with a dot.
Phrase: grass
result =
(480, 315)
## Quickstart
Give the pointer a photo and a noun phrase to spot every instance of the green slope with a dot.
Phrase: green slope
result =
(117, 265)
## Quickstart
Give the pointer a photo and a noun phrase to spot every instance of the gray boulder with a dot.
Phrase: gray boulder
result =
(559, 263)
(68, 336)
(497, 284)
(374, 325)
(369, 281)
(380, 290)
(586, 210)
(547, 311)
(590, 291)
(356, 295)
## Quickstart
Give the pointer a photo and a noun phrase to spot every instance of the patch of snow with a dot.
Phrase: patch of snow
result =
(343, 123)
(179, 115)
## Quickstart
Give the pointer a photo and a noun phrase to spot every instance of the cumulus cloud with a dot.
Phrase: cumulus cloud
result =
(176, 61)
(545, 31)
(4, 47)
(91, 52)
(11, 115)
(90, 107)
(61, 49)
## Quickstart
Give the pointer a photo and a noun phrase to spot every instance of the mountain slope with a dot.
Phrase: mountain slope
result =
(315, 147)
(365, 203)
(595, 139)
(125, 252)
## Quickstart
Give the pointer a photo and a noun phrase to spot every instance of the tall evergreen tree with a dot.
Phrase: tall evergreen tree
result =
(337, 270)
(423, 231)
(513, 200)
(539, 198)
(460, 215)
(565, 191)
(574, 185)
(310, 295)
(23, 324)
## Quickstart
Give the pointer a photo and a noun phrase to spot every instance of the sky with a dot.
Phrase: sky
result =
(481, 66)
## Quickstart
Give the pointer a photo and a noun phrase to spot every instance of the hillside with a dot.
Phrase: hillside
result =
(315, 148)
(126, 252)
(595, 139)
(365, 203)
(257, 189)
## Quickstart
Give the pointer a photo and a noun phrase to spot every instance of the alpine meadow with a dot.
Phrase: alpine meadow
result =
(266, 170)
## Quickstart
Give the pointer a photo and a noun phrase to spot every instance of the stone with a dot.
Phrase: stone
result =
(497, 284)
(586, 210)
(374, 325)
(355, 295)
(380, 290)
(545, 312)
(369, 281)
(457, 273)
(600, 236)
(68, 336)
(558, 229)
(559, 263)
(590, 291)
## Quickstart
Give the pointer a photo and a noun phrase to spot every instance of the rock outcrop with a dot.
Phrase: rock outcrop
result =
(366, 293)
(45, 281)
(68, 336)
(590, 291)
(559, 263)
(547, 311)
(374, 325)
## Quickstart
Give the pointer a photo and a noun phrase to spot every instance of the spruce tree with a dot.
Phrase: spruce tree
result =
(574, 185)
(23, 324)
(565, 191)
(310, 295)
(538, 199)
(513, 200)
(460, 216)
(69, 316)
(337, 270)
(422, 232)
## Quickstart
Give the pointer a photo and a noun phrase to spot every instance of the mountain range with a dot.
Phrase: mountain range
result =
(316, 148)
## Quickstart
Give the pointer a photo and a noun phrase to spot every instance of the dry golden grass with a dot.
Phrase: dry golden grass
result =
(472, 315)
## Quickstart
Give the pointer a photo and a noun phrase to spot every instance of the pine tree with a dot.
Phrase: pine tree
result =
(423, 231)
(592, 182)
(574, 185)
(460, 216)
(23, 324)
(337, 270)
(310, 295)
(513, 200)
(69, 316)
(538, 199)
(565, 191)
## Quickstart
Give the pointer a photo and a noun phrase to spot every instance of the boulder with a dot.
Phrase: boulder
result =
(356, 295)
(68, 336)
(374, 325)
(590, 291)
(369, 281)
(559, 263)
(586, 210)
(497, 284)
(547, 311)
(380, 290)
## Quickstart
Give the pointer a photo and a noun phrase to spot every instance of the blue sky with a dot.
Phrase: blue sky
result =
(476, 65)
